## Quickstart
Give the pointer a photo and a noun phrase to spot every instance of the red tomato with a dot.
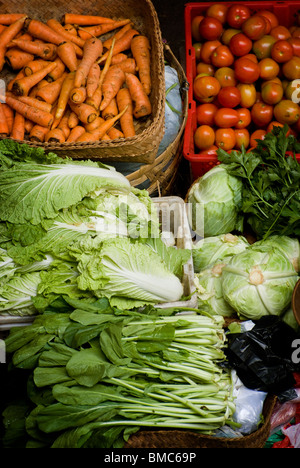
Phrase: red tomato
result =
(255, 27)
(230, 96)
(225, 76)
(206, 88)
(226, 117)
(268, 68)
(261, 114)
(248, 94)
(280, 32)
(244, 118)
(205, 113)
(211, 151)
(222, 57)
(210, 28)
(273, 124)
(246, 71)
(225, 138)
(272, 93)
(271, 17)
(237, 15)
(228, 34)
(287, 111)
(251, 57)
(282, 51)
(195, 27)
(263, 46)
(207, 49)
(240, 44)
(204, 137)
(242, 137)
(291, 68)
(197, 48)
(217, 11)
(206, 68)
(295, 43)
(296, 33)
(257, 135)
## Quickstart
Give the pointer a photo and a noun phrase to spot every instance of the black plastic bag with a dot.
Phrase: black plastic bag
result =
(262, 357)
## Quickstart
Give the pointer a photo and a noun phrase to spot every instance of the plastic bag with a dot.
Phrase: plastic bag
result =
(262, 356)
(293, 433)
(282, 415)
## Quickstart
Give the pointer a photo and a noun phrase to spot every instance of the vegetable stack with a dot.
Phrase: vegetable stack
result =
(85, 79)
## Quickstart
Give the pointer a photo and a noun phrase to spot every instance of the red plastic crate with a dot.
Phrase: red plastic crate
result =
(286, 11)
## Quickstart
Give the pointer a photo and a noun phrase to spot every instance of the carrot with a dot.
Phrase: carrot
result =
(9, 116)
(9, 18)
(9, 85)
(85, 112)
(55, 136)
(71, 18)
(8, 35)
(100, 131)
(100, 29)
(63, 124)
(29, 125)
(4, 129)
(18, 130)
(50, 93)
(113, 81)
(114, 133)
(111, 110)
(57, 71)
(38, 133)
(17, 59)
(121, 44)
(34, 66)
(78, 95)
(140, 48)
(105, 137)
(70, 29)
(92, 79)
(56, 26)
(45, 51)
(91, 52)
(107, 44)
(128, 65)
(22, 86)
(31, 101)
(67, 54)
(2, 27)
(75, 133)
(89, 127)
(118, 58)
(31, 113)
(124, 101)
(63, 98)
(23, 37)
(141, 102)
(73, 120)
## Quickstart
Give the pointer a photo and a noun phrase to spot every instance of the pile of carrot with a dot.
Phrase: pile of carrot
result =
(84, 79)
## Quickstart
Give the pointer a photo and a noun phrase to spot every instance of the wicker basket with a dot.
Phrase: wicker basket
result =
(143, 146)
(162, 172)
(184, 439)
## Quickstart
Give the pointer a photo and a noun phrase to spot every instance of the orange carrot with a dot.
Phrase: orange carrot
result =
(2, 28)
(9, 18)
(8, 35)
(66, 88)
(56, 121)
(141, 102)
(63, 124)
(22, 86)
(92, 79)
(124, 101)
(29, 125)
(38, 133)
(105, 137)
(140, 48)
(75, 133)
(56, 26)
(100, 29)
(17, 59)
(55, 136)
(31, 113)
(114, 133)
(43, 50)
(23, 37)
(18, 130)
(34, 66)
(107, 44)
(113, 81)
(85, 112)
(128, 65)
(118, 58)
(9, 116)
(45, 106)
(89, 127)
(121, 44)
(4, 130)
(57, 71)
(67, 54)
(70, 29)
(100, 131)
(91, 52)
(78, 95)
(71, 18)
(51, 92)
(111, 110)
(20, 74)
(42, 31)
(73, 120)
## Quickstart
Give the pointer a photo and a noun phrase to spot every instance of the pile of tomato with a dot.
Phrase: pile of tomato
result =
(247, 76)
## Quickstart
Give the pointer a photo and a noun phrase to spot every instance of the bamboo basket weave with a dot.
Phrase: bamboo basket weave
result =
(185, 439)
(143, 146)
